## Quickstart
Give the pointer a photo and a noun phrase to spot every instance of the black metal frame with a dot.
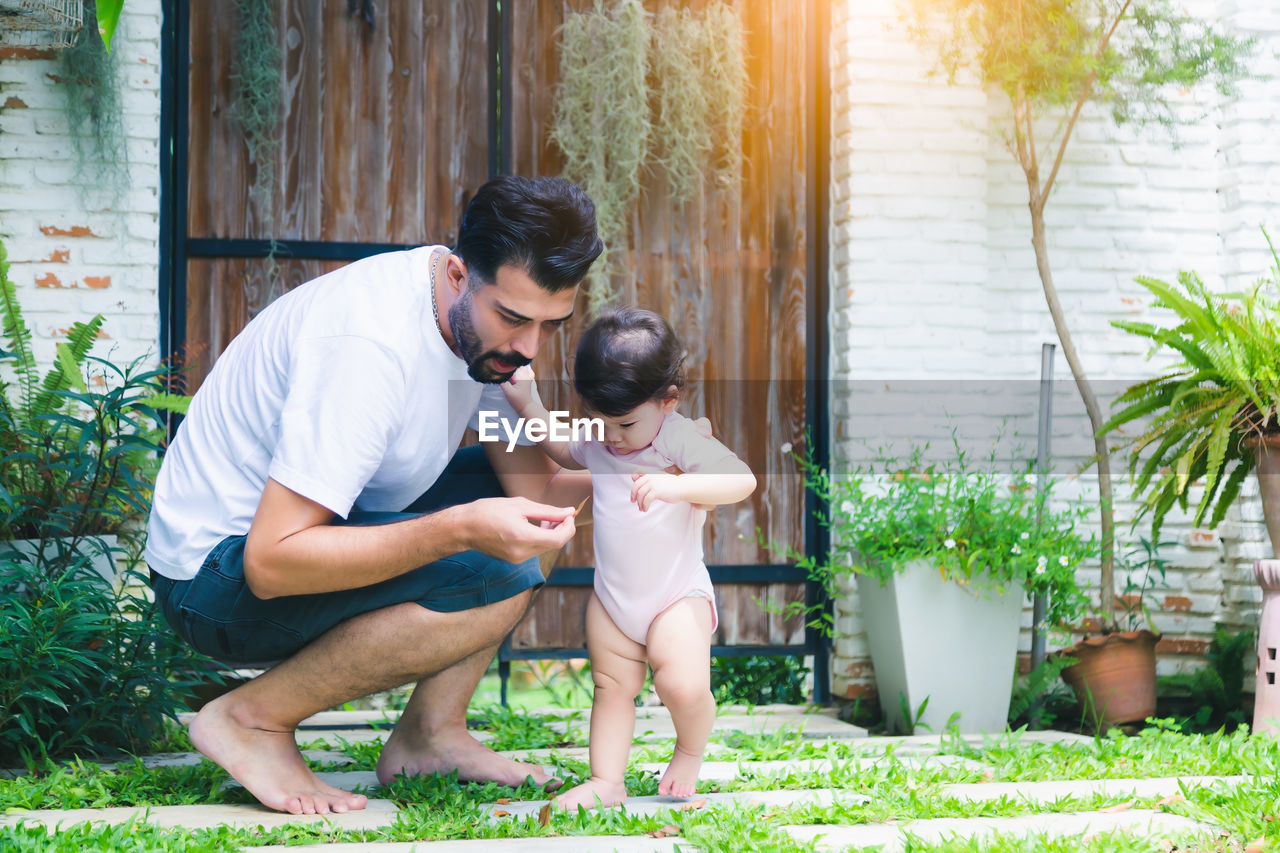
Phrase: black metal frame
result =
(176, 247)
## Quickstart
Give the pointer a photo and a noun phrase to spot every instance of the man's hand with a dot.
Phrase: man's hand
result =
(519, 389)
(515, 529)
(647, 488)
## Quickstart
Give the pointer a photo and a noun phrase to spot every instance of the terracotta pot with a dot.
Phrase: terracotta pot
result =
(1115, 680)
(1266, 449)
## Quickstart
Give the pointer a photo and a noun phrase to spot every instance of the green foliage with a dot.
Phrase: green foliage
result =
(84, 666)
(79, 447)
(108, 17)
(1054, 53)
(1216, 691)
(640, 93)
(86, 669)
(1141, 565)
(515, 728)
(90, 82)
(759, 680)
(973, 522)
(1038, 696)
(1224, 389)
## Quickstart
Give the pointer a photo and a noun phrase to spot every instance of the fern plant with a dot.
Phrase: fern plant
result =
(78, 442)
(1197, 416)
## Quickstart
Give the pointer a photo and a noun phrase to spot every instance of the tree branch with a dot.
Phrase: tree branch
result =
(1080, 102)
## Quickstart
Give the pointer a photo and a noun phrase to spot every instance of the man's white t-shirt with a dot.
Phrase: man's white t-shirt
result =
(342, 390)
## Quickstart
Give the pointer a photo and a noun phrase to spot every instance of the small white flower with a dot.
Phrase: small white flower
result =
(950, 543)
(1062, 561)
(1025, 536)
(1015, 550)
(1029, 479)
(786, 448)
(847, 506)
(1041, 562)
(1040, 569)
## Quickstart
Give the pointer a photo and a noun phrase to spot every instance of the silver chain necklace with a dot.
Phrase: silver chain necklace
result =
(435, 312)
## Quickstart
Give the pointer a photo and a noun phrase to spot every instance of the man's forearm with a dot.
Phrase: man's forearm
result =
(328, 558)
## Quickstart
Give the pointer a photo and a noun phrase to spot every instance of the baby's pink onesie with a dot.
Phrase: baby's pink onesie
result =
(647, 561)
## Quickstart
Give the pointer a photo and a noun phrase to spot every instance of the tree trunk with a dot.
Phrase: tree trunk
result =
(1108, 591)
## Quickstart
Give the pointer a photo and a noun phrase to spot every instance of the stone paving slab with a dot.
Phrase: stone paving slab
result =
(646, 711)
(583, 753)
(809, 725)
(657, 805)
(334, 737)
(378, 813)
(191, 759)
(892, 837)
(727, 771)
(558, 844)
(1048, 792)
(929, 744)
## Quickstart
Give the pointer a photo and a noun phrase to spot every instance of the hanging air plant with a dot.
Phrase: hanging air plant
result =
(256, 79)
(90, 81)
(601, 119)
(643, 95)
(699, 64)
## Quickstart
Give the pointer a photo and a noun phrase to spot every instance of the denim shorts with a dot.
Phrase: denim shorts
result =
(218, 616)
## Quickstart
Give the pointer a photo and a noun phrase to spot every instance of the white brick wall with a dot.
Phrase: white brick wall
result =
(71, 256)
(933, 278)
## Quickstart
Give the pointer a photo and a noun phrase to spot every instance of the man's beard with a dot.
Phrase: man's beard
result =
(471, 349)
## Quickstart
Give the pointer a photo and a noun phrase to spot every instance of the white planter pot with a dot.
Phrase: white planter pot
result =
(956, 646)
(101, 550)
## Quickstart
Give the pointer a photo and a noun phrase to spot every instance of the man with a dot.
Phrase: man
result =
(313, 509)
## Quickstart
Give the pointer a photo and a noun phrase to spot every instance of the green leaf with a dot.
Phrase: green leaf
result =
(108, 18)
(70, 368)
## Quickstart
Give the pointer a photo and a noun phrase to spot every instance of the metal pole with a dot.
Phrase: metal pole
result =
(1040, 605)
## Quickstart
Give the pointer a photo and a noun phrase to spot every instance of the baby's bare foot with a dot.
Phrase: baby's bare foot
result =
(594, 793)
(681, 778)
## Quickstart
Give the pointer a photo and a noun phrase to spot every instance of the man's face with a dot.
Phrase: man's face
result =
(498, 327)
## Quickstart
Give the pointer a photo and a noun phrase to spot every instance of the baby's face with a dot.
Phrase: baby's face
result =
(637, 429)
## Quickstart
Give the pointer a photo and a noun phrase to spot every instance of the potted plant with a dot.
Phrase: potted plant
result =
(1114, 674)
(944, 555)
(1212, 417)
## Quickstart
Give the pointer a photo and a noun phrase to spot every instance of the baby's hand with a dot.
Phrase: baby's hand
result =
(647, 488)
(519, 389)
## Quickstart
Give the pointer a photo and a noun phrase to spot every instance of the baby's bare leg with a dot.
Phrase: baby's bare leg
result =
(680, 653)
(617, 669)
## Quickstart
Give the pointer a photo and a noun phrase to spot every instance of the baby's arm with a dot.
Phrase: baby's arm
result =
(713, 475)
(519, 391)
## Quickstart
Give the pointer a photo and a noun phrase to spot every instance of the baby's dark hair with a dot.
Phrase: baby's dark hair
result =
(626, 358)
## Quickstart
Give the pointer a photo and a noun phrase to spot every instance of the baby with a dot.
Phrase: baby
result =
(652, 600)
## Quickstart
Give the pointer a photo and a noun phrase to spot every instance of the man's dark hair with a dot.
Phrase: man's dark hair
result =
(626, 358)
(544, 226)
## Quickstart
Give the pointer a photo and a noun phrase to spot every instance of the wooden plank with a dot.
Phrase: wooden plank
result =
(302, 115)
(217, 177)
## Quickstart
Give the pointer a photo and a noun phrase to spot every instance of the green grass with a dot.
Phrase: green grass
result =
(898, 790)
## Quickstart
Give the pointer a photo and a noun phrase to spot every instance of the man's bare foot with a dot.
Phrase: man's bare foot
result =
(681, 778)
(594, 793)
(266, 762)
(408, 755)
